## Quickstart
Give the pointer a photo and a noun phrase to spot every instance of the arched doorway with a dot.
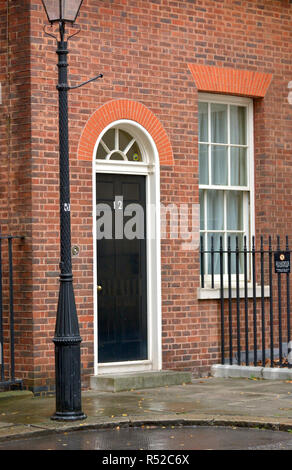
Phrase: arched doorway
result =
(126, 221)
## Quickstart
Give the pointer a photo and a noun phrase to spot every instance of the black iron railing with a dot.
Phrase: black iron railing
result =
(7, 342)
(254, 292)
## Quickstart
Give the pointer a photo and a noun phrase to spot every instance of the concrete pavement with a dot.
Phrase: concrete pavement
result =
(206, 401)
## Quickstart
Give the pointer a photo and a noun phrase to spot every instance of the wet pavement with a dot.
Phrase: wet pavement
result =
(205, 402)
(158, 438)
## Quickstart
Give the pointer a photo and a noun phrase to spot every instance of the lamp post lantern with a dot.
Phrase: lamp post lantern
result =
(62, 10)
(67, 337)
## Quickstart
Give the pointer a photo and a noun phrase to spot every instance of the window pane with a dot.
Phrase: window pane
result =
(234, 210)
(109, 139)
(116, 156)
(203, 122)
(215, 210)
(219, 163)
(134, 154)
(202, 210)
(203, 164)
(238, 125)
(219, 123)
(216, 256)
(238, 167)
(233, 237)
(124, 139)
(101, 153)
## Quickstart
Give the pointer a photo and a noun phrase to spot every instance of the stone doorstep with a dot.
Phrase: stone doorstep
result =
(138, 380)
(268, 373)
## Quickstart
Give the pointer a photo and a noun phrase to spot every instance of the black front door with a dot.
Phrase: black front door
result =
(121, 268)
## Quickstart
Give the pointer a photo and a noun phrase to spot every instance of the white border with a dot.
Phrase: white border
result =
(248, 102)
(150, 168)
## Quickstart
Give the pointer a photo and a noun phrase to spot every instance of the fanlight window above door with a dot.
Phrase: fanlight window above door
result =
(117, 144)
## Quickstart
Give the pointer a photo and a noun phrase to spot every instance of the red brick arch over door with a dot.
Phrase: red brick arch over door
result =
(124, 109)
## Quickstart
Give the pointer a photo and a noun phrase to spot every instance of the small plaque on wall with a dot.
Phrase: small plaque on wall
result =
(282, 262)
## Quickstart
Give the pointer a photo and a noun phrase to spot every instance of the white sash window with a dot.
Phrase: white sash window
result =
(226, 174)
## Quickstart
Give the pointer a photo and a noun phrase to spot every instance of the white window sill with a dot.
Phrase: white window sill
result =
(209, 293)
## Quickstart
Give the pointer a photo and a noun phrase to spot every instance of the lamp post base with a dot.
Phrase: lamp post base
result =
(68, 416)
(67, 355)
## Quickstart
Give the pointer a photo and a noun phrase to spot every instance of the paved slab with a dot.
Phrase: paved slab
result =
(211, 401)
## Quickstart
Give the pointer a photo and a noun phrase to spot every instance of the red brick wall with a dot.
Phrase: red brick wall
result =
(143, 48)
(15, 175)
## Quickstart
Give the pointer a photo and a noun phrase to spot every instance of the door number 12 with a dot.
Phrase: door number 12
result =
(118, 203)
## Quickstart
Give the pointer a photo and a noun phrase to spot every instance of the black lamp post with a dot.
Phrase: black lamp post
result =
(67, 337)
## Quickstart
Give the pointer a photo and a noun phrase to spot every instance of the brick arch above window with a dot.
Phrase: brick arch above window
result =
(212, 79)
(124, 109)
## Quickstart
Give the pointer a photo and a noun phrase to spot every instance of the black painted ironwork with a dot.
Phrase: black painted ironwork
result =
(271, 301)
(67, 338)
(7, 365)
(255, 312)
(222, 303)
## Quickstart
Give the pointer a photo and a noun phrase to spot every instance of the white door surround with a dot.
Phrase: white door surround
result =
(149, 166)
